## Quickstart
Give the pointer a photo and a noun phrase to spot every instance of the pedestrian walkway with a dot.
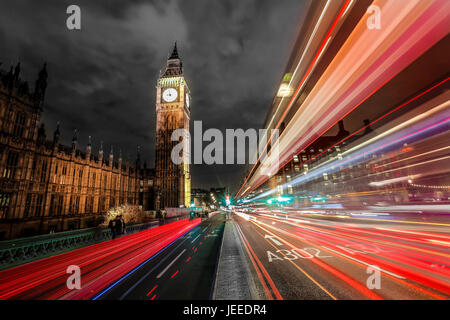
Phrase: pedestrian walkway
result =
(234, 278)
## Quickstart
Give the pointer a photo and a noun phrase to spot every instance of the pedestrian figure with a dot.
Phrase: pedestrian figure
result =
(112, 226)
(124, 230)
(118, 225)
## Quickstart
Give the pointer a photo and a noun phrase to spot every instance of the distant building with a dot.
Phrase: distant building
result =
(205, 198)
(200, 198)
(45, 185)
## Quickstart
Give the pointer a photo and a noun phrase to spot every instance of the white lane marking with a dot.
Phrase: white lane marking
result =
(365, 263)
(278, 243)
(170, 264)
(195, 238)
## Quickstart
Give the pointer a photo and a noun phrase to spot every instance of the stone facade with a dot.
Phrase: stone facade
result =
(47, 186)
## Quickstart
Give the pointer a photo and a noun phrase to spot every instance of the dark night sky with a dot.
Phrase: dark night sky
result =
(102, 79)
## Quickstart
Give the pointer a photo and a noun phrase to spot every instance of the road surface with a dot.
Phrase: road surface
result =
(184, 270)
(115, 268)
(315, 257)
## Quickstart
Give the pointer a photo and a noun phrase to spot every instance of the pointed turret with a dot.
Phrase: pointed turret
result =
(89, 149)
(41, 135)
(41, 85)
(174, 54)
(16, 73)
(100, 153)
(74, 140)
(111, 156)
(138, 158)
(120, 159)
(56, 135)
(9, 78)
(174, 66)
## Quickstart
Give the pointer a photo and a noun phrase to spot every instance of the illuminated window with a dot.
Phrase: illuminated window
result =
(5, 199)
(11, 165)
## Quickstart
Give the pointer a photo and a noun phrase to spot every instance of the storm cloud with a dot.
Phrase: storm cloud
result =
(102, 78)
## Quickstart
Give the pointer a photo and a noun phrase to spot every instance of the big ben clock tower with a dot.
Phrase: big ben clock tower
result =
(173, 181)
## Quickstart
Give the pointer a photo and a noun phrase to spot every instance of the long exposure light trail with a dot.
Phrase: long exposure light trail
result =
(325, 266)
(305, 76)
(300, 62)
(101, 264)
(392, 137)
(411, 259)
(363, 128)
(387, 64)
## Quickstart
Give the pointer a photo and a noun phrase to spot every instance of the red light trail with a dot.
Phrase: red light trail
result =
(101, 264)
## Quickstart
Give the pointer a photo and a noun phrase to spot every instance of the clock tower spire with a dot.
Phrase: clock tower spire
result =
(173, 181)
(174, 66)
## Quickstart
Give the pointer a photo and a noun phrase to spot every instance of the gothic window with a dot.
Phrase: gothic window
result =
(11, 165)
(52, 205)
(43, 171)
(19, 125)
(87, 207)
(33, 169)
(39, 200)
(60, 205)
(5, 199)
(104, 181)
(89, 204)
(174, 122)
(101, 203)
(28, 202)
(71, 204)
(80, 176)
(77, 205)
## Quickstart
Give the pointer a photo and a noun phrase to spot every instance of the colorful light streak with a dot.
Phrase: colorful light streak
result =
(101, 264)
(403, 133)
(417, 26)
(416, 260)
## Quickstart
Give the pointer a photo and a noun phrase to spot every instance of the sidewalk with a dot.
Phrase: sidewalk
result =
(234, 278)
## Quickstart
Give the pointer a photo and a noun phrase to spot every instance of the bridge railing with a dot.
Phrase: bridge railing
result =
(22, 250)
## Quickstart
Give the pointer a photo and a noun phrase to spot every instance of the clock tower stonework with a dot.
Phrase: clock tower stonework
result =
(173, 181)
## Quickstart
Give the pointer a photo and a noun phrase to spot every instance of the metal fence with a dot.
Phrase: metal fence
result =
(23, 250)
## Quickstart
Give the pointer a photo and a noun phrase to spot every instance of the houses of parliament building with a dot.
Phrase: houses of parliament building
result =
(48, 186)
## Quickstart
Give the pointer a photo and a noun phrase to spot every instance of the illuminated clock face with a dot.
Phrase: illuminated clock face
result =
(170, 94)
(187, 100)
